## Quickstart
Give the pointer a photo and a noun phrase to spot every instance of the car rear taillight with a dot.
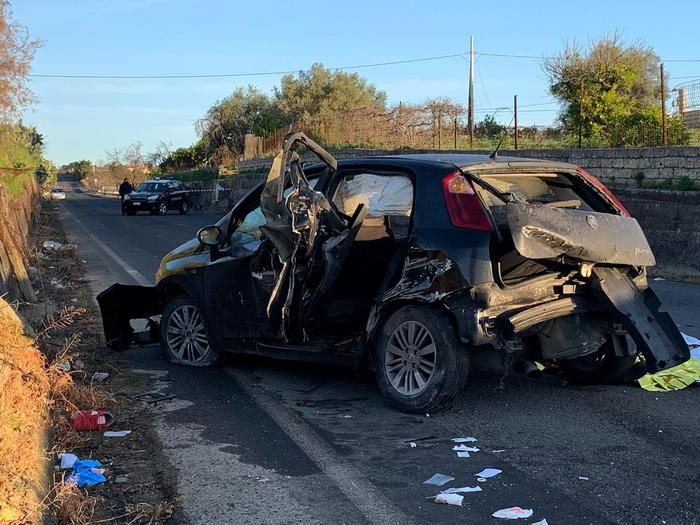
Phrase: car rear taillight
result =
(603, 189)
(463, 204)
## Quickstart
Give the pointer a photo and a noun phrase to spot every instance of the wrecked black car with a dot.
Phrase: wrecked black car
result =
(415, 266)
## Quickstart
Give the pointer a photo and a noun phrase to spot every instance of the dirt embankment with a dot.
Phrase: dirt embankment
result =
(47, 367)
(17, 213)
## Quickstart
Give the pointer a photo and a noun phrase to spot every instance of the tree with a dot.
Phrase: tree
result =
(318, 95)
(81, 168)
(224, 127)
(605, 87)
(16, 53)
(489, 127)
(191, 157)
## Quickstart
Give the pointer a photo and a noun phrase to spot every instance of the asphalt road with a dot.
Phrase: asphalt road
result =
(260, 441)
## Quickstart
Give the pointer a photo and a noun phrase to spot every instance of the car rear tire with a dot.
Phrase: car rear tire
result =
(184, 208)
(183, 336)
(163, 208)
(601, 367)
(421, 364)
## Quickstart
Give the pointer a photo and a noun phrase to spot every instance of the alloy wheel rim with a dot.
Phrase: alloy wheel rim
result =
(410, 358)
(163, 209)
(186, 335)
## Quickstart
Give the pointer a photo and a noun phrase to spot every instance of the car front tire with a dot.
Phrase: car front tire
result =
(183, 336)
(163, 208)
(184, 208)
(421, 363)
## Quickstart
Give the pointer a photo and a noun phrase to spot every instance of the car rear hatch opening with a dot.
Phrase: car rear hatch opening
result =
(551, 222)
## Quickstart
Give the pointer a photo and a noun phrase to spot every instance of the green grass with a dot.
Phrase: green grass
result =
(15, 182)
(202, 174)
(684, 183)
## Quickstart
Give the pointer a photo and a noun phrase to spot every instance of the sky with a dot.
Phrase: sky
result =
(84, 118)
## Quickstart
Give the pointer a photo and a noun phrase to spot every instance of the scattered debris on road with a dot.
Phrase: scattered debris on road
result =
(457, 490)
(449, 499)
(488, 473)
(56, 246)
(87, 472)
(438, 479)
(67, 460)
(98, 377)
(116, 433)
(91, 420)
(464, 440)
(512, 513)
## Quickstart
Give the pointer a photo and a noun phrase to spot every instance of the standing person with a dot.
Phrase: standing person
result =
(197, 196)
(124, 189)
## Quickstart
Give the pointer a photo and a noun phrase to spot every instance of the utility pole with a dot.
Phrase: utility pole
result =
(515, 119)
(580, 115)
(470, 102)
(664, 131)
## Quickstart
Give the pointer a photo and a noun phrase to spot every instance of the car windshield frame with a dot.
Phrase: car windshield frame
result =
(151, 187)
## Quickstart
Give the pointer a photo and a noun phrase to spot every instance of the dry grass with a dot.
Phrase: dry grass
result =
(72, 505)
(24, 387)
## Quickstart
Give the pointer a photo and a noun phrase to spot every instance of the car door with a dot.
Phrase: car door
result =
(309, 237)
(175, 195)
(231, 304)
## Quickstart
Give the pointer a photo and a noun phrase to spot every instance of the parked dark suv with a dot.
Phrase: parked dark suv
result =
(414, 266)
(158, 196)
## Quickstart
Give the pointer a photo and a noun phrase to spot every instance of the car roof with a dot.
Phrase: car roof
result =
(461, 160)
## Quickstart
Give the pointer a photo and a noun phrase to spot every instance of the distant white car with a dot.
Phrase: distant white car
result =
(58, 194)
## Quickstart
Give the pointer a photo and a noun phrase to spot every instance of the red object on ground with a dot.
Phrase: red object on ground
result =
(91, 420)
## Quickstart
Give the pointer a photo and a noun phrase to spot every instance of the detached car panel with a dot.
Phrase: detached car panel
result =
(410, 265)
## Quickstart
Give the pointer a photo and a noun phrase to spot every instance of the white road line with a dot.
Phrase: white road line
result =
(133, 272)
(351, 482)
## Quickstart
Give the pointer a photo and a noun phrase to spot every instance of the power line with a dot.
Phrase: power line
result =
(231, 75)
(292, 71)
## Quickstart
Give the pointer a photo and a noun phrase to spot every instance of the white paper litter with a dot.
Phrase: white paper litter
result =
(488, 473)
(67, 459)
(497, 451)
(541, 522)
(584, 478)
(512, 513)
(412, 445)
(98, 377)
(438, 479)
(456, 490)
(694, 345)
(464, 440)
(465, 448)
(462, 454)
(116, 433)
(449, 499)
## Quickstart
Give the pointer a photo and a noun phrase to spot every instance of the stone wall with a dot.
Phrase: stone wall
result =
(614, 166)
(670, 221)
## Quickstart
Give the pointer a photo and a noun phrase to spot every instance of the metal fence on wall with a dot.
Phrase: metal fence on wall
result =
(687, 102)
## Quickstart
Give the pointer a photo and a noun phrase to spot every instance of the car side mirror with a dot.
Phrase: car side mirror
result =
(210, 235)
